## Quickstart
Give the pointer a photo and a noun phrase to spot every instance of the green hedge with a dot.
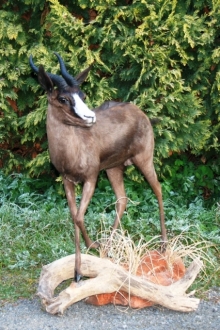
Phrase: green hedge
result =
(162, 55)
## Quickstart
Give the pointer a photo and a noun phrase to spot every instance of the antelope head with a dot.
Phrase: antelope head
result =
(68, 96)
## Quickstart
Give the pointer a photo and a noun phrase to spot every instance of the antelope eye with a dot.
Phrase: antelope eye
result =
(63, 100)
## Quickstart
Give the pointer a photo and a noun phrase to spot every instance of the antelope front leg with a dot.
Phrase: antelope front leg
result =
(78, 218)
(88, 190)
(70, 195)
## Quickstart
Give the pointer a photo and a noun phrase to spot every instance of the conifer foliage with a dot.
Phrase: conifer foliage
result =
(162, 55)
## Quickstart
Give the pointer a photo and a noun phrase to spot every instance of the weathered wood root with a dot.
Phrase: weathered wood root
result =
(106, 277)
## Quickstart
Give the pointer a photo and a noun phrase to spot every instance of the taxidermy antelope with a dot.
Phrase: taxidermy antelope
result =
(82, 142)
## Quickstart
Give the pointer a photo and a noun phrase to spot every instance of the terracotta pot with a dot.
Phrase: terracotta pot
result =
(154, 267)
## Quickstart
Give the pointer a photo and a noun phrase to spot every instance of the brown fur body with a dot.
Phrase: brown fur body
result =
(106, 144)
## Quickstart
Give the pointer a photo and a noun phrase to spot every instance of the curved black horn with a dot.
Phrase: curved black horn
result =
(57, 80)
(71, 81)
(33, 67)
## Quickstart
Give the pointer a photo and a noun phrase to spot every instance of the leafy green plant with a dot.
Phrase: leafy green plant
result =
(161, 55)
(189, 179)
(36, 228)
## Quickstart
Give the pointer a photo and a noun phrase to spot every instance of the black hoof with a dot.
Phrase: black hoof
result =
(77, 277)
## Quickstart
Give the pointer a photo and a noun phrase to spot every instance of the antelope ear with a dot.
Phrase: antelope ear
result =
(44, 80)
(81, 77)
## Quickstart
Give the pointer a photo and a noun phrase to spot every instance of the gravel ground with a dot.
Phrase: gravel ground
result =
(28, 315)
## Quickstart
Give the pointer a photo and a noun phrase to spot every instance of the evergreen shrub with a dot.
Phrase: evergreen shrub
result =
(161, 55)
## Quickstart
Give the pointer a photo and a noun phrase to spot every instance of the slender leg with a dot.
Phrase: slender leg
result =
(88, 190)
(115, 176)
(145, 164)
(78, 217)
(77, 275)
(70, 195)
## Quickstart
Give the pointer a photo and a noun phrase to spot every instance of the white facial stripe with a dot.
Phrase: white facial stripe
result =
(82, 110)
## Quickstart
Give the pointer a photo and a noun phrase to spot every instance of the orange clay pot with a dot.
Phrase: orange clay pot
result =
(154, 267)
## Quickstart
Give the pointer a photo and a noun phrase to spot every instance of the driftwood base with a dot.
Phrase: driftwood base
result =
(107, 277)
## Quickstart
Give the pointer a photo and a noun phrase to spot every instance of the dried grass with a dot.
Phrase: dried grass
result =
(124, 250)
(121, 248)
